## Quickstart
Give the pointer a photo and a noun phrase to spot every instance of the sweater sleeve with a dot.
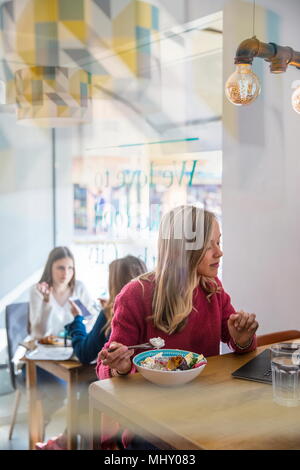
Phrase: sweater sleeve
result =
(87, 345)
(227, 310)
(127, 323)
(39, 313)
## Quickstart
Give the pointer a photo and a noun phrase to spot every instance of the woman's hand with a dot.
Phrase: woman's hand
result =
(75, 310)
(102, 302)
(45, 290)
(242, 327)
(118, 358)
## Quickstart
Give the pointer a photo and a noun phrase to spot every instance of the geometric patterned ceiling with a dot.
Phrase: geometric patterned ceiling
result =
(78, 33)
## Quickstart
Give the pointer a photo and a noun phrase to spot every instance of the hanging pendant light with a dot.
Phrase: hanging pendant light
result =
(242, 87)
(296, 100)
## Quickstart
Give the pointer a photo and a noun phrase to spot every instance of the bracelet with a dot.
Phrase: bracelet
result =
(120, 373)
(116, 373)
(244, 347)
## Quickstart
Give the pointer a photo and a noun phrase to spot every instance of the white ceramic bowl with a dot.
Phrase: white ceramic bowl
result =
(167, 378)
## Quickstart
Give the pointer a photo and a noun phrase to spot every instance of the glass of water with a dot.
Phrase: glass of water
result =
(285, 363)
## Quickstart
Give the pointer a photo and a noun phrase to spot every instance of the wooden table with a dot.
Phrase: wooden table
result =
(73, 373)
(215, 411)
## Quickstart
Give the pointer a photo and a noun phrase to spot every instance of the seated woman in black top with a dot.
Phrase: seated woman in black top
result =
(87, 345)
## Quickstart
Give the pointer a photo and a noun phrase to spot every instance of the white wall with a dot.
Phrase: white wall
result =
(26, 232)
(67, 145)
(261, 172)
(26, 201)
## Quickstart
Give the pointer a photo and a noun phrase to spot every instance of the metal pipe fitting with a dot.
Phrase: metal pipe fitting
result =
(278, 56)
(246, 51)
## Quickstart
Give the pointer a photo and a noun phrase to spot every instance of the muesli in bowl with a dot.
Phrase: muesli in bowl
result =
(170, 366)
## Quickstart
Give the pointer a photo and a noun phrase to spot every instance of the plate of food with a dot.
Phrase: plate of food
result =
(169, 367)
(53, 340)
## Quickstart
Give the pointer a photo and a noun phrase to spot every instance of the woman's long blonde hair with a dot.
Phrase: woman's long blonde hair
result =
(184, 235)
(120, 272)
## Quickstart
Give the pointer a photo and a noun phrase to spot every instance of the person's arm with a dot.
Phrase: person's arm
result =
(39, 313)
(87, 345)
(127, 328)
(87, 300)
(229, 318)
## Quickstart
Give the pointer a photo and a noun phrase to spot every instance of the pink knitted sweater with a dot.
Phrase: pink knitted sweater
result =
(205, 328)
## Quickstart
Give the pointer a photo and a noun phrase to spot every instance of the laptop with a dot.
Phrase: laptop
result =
(257, 369)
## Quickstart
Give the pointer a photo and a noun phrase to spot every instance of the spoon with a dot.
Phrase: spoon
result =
(154, 343)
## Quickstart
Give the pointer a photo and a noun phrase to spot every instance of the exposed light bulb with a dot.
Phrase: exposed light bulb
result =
(242, 87)
(296, 100)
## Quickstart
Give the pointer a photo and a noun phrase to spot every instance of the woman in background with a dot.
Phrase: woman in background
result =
(87, 345)
(50, 308)
(49, 311)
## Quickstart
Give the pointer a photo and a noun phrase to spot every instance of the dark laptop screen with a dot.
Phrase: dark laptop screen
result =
(257, 369)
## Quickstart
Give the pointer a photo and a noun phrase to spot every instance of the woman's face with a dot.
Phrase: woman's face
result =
(62, 271)
(209, 265)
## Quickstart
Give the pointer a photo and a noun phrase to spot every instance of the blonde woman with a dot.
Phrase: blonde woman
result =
(182, 300)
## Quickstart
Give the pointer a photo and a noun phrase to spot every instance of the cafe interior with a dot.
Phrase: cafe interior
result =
(112, 114)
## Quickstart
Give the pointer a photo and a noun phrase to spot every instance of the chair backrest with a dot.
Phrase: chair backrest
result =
(17, 328)
(277, 337)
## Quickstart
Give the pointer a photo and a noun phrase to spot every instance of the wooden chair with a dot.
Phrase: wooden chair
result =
(277, 337)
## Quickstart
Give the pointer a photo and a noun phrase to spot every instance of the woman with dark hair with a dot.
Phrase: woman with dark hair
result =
(49, 311)
(87, 345)
(50, 308)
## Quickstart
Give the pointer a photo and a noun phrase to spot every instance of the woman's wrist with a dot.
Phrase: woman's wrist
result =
(116, 373)
(246, 346)
(123, 373)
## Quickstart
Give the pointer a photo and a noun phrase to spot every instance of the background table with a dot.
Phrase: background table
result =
(73, 373)
(215, 411)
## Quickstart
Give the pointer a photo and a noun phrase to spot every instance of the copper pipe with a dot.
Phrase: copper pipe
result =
(278, 56)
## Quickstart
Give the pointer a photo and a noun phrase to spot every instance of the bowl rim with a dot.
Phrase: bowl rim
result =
(170, 371)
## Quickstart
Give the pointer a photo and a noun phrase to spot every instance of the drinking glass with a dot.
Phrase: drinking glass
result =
(285, 364)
